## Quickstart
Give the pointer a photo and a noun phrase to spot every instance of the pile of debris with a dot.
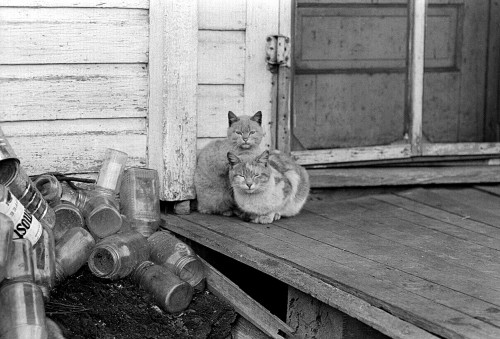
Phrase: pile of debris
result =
(49, 229)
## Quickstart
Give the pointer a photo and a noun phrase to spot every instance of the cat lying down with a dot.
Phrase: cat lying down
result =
(268, 187)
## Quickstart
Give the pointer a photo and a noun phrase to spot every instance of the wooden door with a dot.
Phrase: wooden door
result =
(349, 80)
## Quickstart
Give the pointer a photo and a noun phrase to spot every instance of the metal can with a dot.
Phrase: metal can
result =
(25, 225)
(19, 183)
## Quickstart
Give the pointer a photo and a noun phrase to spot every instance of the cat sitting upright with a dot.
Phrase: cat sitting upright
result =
(213, 191)
(268, 186)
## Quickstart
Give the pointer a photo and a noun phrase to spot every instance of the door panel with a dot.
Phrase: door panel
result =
(350, 73)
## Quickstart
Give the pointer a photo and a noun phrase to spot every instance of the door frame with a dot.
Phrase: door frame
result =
(413, 145)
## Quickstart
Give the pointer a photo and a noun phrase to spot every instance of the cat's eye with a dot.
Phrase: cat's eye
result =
(238, 132)
(252, 132)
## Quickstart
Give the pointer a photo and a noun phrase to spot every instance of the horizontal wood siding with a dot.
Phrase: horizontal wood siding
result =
(78, 91)
(221, 65)
(74, 81)
(73, 35)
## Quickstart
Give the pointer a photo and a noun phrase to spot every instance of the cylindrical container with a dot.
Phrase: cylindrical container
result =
(72, 252)
(116, 256)
(67, 216)
(22, 312)
(17, 180)
(77, 197)
(20, 267)
(6, 233)
(45, 262)
(101, 214)
(139, 199)
(111, 170)
(170, 292)
(50, 188)
(25, 225)
(6, 150)
(179, 258)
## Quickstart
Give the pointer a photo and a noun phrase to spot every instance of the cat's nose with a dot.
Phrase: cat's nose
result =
(245, 139)
(249, 185)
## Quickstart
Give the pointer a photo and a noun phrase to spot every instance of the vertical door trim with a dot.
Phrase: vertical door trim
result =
(415, 73)
(262, 21)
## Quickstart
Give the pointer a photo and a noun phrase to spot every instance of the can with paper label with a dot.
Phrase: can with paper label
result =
(26, 226)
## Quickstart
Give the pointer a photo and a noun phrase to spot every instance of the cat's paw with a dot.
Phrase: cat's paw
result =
(227, 213)
(263, 219)
(277, 216)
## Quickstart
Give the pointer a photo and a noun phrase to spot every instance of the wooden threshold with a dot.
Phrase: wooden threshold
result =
(393, 176)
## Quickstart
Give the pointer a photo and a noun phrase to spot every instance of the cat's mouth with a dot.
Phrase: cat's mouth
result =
(245, 145)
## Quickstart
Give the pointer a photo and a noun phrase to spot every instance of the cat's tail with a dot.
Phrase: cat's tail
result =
(299, 181)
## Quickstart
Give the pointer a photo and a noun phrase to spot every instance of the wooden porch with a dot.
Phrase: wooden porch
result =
(409, 262)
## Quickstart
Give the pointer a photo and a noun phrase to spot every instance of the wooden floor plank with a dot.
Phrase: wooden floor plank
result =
(438, 220)
(376, 290)
(293, 276)
(420, 263)
(492, 189)
(447, 202)
(387, 221)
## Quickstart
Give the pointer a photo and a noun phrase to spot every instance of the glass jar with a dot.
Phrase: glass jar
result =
(6, 233)
(45, 262)
(50, 188)
(139, 199)
(72, 252)
(116, 256)
(179, 258)
(170, 292)
(67, 216)
(22, 311)
(20, 266)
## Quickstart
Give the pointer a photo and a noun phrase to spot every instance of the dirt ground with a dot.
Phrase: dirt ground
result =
(85, 306)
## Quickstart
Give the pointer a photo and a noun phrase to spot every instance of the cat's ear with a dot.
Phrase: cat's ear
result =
(232, 118)
(233, 159)
(257, 117)
(263, 158)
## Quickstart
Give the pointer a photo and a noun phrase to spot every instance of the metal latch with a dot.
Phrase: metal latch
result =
(277, 52)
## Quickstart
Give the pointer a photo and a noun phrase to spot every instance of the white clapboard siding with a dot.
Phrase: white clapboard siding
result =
(41, 92)
(221, 57)
(202, 142)
(77, 3)
(71, 146)
(222, 15)
(73, 35)
(214, 102)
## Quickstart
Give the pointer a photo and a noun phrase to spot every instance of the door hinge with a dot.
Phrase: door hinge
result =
(277, 52)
